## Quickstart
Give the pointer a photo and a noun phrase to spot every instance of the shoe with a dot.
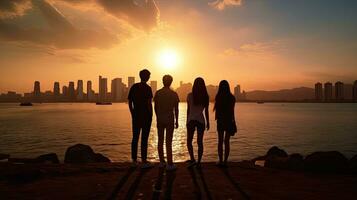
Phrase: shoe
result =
(146, 165)
(190, 163)
(134, 164)
(171, 167)
(162, 164)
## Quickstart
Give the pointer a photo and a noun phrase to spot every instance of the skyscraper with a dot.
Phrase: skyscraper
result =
(65, 92)
(71, 91)
(37, 91)
(90, 92)
(355, 91)
(339, 91)
(79, 93)
(153, 85)
(131, 81)
(328, 91)
(237, 92)
(103, 89)
(318, 92)
(117, 89)
(56, 89)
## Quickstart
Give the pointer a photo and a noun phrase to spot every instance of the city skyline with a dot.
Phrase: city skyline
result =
(116, 91)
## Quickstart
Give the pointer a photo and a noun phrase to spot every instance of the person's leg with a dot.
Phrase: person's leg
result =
(144, 140)
(190, 132)
(220, 145)
(160, 143)
(226, 146)
(169, 135)
(134, 142)
(200, 133)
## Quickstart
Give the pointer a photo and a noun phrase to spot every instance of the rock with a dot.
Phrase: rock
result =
(23, 160)
(48, 158)
(276, 162)
(296, 162)
(4, 156)
(100, 158)
(81, 153)
(353, 164)
(276, 151)
(330, 161)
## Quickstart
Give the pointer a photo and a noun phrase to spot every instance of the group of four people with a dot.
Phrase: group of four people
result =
(166, 102)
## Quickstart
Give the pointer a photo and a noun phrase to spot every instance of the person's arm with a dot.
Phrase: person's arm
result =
(207, 116)
(176, 114)
(131, 108)
(150, 101)
(130, 99)
(188, 107)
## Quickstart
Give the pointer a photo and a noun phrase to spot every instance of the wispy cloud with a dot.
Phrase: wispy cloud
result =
(256, 49)
(222, 4)
(13, 8)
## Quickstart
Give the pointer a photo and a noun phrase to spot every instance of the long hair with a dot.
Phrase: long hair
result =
(224, 97)
(199, 92)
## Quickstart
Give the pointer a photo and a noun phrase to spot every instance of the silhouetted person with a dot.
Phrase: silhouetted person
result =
(197, 102)
(226, 126)
(166, 109)
(140, 105)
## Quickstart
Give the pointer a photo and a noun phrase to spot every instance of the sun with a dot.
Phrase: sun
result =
(168, 59)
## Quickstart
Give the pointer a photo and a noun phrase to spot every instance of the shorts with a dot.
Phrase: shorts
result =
(193, 125)
(169, 125)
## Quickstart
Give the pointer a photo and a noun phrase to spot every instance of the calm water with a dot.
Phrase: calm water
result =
(304, 128)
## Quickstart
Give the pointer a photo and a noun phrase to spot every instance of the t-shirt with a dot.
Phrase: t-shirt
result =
(196, 111)
(165, 102)
(141, 94)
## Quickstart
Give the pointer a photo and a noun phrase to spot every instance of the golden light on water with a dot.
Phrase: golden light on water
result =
(168, 59)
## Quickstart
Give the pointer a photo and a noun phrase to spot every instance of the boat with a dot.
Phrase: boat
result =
(26, 104)
(103, 103)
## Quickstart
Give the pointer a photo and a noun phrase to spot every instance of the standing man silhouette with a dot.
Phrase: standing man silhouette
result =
(140, 106)
(166, 110)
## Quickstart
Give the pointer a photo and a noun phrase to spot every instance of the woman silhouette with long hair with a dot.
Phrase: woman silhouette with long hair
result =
(197, 103)
(226, 126)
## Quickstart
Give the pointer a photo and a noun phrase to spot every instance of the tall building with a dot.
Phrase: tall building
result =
(328, 91)
(318, 92)
(237, 93)
(37, 89)
(65, 92)
(355, 91)
(71, 91)
(153, 85)
(339, 91)
(103, 89)
(56, 89)
(80, 95)
(117, 90)
(131, 81)
(90, 92)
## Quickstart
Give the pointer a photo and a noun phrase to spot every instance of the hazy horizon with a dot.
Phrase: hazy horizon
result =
(261, 45)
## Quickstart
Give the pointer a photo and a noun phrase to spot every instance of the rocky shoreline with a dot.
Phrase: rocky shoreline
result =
(86, 174)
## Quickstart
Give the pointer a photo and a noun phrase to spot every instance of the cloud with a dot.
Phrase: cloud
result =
(13, 8)
(257, 49)
(59, 32)
(222, 4)
(144, 15)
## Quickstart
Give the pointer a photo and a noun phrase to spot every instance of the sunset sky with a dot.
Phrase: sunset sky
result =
(260, 44)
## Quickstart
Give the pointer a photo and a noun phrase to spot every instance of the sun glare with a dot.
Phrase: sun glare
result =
(168, 59)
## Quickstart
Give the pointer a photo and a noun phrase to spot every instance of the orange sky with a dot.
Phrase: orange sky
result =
(243, 42)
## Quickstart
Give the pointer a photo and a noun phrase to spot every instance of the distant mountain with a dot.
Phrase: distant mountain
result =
(295, 94)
